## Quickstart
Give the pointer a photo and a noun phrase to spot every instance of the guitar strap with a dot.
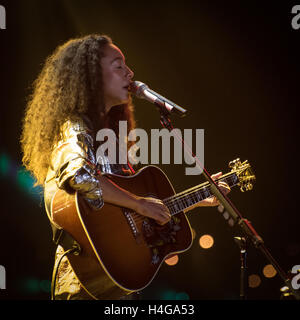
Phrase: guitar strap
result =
(64, 239)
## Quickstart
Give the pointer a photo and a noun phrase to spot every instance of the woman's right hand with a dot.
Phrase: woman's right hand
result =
(153, 208)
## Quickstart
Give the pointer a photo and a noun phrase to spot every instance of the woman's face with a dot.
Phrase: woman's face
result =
(116, 77)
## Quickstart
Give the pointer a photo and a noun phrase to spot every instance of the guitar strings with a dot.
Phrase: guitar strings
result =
(170, 201)
(185, 194)
(199, 187)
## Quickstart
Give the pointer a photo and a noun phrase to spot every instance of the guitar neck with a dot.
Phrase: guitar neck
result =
(192, 196)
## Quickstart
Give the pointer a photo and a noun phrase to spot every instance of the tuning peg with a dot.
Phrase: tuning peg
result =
(246, 187)
(249, 186)
(234, 163)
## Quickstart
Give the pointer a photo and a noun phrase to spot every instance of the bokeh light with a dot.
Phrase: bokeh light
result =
(182, 296)
(172, 260)
(24, 180)
(17, 174)
(30, 285)
(269, 271)
(45, 286)
(254, 281)
(4, 164)
(206, 241)
(168, 295)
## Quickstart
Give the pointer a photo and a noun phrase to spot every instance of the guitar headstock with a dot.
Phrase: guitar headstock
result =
(244, 173)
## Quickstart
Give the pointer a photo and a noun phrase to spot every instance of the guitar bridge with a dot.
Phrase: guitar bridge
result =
(132, 225)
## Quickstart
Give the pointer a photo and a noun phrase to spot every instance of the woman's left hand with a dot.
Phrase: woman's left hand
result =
(213, 201)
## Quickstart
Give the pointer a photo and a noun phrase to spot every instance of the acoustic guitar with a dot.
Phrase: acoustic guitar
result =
(122, 250)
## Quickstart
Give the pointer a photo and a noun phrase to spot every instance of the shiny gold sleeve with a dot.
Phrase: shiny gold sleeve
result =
(74, 164)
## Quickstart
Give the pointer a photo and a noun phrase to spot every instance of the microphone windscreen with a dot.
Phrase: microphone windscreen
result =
(137, 88)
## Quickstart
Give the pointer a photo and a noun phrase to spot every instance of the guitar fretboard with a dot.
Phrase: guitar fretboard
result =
(190, 197)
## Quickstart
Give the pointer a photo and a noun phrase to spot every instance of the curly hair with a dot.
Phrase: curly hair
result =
(68, 87)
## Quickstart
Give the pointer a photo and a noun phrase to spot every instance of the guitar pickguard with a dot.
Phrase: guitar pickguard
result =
(157, 236)
(153, 234)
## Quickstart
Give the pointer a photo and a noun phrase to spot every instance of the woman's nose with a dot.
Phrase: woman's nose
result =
(130, 73)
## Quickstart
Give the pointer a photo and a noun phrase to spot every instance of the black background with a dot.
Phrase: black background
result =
(233, 65)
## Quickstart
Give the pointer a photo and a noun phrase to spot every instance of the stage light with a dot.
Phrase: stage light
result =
(269, 271)
(206, 241)
(254, 281)
(172, 260)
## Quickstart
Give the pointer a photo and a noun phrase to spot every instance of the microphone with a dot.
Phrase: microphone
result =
(142, 91)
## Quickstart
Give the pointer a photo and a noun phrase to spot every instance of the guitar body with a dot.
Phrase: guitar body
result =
(121, 250)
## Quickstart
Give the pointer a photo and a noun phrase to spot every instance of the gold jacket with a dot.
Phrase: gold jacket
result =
(73, 165)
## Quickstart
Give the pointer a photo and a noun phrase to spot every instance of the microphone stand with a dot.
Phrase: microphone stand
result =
(235, 215)
(241, 242)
